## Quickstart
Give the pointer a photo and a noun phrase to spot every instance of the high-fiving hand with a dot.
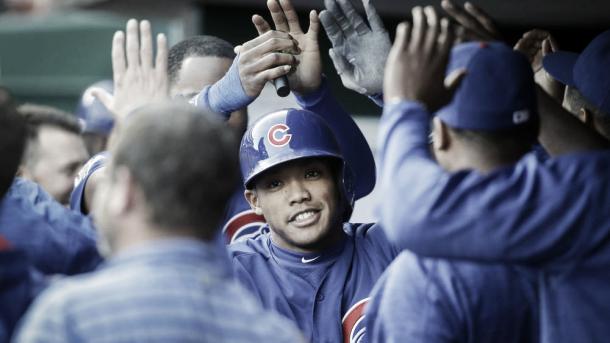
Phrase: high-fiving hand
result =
(417, 61)
(137, 81)
(359, 50)
(307, 76)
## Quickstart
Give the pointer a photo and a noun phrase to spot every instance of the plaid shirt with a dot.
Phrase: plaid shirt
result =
(168, 291)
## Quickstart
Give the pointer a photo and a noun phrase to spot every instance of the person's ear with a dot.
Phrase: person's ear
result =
(440, 135)
(125, 193)
(252, 199)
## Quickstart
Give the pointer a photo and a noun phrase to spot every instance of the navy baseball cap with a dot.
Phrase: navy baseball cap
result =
(497, 91)
(588, 72)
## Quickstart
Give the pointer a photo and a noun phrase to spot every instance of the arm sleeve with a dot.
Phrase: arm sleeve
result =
(226, 95)
(409, 305)
(354, 146)
(529, 212)
(58, 240)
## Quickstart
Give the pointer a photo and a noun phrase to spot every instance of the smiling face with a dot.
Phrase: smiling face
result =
(300, 201)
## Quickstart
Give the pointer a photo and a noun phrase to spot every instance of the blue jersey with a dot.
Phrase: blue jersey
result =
(56, 239)
(19, 284)
(324, 294)
(424, 300)
(96, 162)
(552, 216)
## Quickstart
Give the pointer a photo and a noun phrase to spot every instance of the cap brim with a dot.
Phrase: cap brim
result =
(560, 65)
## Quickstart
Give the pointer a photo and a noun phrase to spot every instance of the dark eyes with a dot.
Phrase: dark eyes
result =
(312, 174)
(273, 184)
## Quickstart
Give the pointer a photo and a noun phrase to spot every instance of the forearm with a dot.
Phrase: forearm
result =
(225, 96)
(353, 145)
(561, 132)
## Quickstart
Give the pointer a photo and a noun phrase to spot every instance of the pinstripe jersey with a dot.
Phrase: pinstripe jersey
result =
(167, 291)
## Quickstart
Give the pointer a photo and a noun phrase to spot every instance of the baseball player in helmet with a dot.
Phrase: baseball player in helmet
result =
(312, 266)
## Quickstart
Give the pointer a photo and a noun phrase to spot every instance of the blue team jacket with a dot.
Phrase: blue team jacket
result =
(55, 239)
(425, 300)
(19, 284)
(552, 216)
(324, 294)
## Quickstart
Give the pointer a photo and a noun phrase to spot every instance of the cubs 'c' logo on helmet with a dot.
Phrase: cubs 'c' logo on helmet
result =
(353, 323)
(278, 135)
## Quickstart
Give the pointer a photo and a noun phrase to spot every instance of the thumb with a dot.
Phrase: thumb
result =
(104, 97)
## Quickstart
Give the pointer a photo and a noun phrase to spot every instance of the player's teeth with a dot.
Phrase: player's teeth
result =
(304, 215)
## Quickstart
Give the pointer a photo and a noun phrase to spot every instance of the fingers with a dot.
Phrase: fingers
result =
(270, 60)
(103, 96)
(433, 28)
(161, 59)
(483, 18)
(314, 24)
(274, 73)
(446, 39)
(333, 7)
(401, 42)
(553, 43)
(291, 16)
(333, 31)
(372, 16)
(118, 55)
(283, 40)
(419, 28)
(132, 43)
(146, 51)
(278, 16)
(260, 24)
(468, 20)
(353, 17)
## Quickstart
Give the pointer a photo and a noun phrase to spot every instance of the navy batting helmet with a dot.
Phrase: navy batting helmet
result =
(287, 135)
(92, 114)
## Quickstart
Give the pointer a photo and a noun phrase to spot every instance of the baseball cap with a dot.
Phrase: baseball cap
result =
(93, 116)
(588, 72)
(497, 91)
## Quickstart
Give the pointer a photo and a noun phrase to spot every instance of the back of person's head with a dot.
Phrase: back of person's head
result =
(198, 46)
(575, 102)
(184, 161)
(493, 110)
(587, 78)
(12, 140)
(38, 116)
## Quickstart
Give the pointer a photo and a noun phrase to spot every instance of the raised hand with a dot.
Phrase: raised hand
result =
(359, 50)
(416, 64)
(536, 44)
(477, 24)
(137, 80)
(264, 58)
(307, 76)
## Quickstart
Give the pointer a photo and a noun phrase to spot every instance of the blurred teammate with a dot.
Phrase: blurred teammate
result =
(434, 300)
(161, 235)
(55, 150)
(549, 216)
(303, 171)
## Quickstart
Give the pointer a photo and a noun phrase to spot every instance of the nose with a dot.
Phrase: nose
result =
(297, 192)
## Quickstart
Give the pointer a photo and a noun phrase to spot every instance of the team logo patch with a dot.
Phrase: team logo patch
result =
(278, 135)
(353, 323)
(242, 226)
